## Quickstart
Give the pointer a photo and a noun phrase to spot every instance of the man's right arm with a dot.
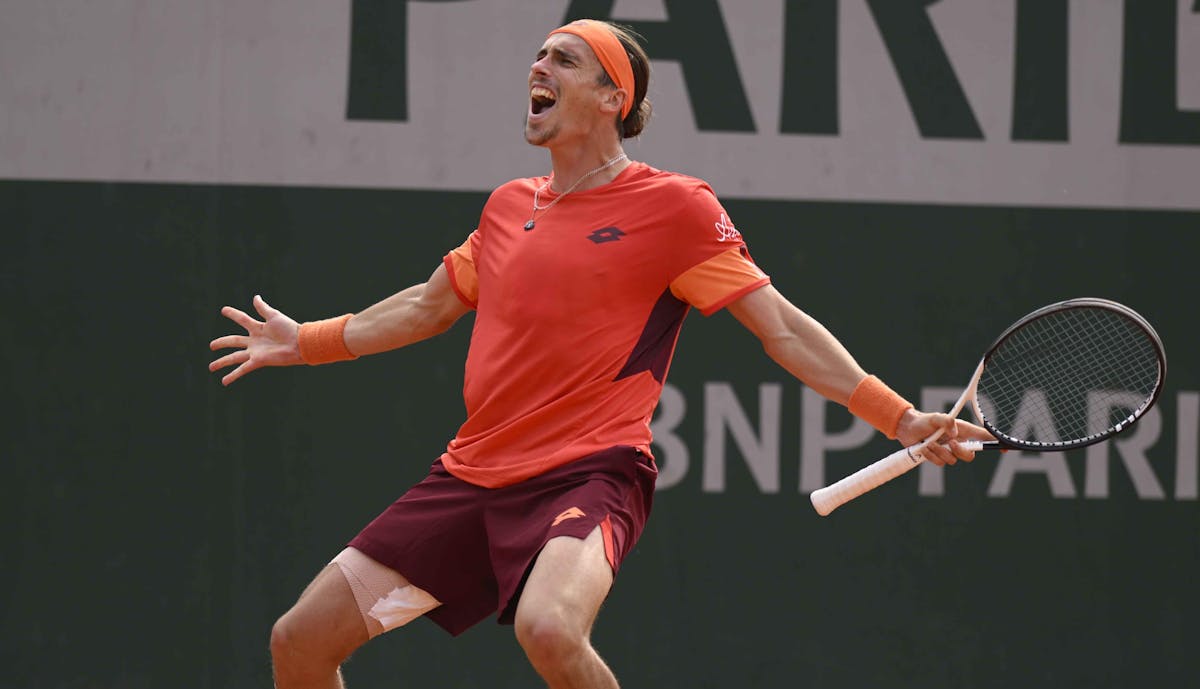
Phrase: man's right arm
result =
(417, 313)
(409, 316)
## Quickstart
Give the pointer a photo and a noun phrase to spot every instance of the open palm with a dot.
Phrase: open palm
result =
(269, 342)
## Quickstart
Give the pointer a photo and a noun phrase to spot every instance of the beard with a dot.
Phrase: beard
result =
(539, 137)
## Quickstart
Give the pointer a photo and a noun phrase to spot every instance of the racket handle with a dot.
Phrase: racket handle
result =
(980, 445)
(829, 498)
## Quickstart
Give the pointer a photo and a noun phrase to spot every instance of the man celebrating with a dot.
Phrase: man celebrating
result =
(580, 282)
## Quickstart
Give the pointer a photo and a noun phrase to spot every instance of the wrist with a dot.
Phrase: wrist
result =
(905, 425)
(877, 404)
(324, 342)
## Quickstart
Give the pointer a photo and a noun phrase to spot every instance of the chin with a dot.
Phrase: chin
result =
(539, 137)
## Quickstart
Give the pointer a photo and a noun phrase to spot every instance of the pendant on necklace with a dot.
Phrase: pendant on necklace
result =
(529, 225)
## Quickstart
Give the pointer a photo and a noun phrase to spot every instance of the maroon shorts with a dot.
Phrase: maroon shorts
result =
(472, 547)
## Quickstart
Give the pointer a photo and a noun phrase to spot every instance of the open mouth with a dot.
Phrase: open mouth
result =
(541, 99)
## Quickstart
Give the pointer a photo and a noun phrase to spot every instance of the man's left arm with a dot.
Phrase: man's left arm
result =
(807, 350)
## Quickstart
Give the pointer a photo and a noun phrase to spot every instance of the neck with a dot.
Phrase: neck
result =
(570, 166)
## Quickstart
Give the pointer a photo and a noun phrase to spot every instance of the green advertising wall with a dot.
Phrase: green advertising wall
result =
(157, 523)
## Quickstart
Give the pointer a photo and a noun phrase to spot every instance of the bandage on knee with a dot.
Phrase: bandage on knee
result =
(385, 598)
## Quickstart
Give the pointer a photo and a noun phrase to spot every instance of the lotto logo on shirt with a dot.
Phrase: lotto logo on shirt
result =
(725, 229)
(608, 234)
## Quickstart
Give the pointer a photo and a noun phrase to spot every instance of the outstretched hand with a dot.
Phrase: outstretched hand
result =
(916, 426)
(272, 341)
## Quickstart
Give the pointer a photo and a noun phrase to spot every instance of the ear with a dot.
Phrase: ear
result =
(614, 100)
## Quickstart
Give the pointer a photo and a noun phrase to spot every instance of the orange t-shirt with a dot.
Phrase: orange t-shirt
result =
(576, 320)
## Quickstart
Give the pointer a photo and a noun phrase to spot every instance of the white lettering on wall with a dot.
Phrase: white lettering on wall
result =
(1187, 425)
(1131, 447)
(731, 434)
(760, 449)
(815, 440)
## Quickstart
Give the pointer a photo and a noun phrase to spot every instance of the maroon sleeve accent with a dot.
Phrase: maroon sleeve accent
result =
(657, 342)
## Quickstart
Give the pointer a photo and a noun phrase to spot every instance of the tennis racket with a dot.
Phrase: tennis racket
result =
(1065, 376)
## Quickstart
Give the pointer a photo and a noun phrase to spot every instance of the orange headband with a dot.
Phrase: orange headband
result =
(609, 50)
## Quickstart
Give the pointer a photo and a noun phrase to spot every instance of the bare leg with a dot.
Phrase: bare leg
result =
(557, 609)
(311, 641)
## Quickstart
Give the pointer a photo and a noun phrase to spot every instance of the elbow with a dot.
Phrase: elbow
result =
(441, 324)
(781, 349)
(435, 321)
(783, 360)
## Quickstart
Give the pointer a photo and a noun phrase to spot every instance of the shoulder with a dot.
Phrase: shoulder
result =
(688, 201)
(522, 186)
(675, 184)
(514, 196)
(672, 195)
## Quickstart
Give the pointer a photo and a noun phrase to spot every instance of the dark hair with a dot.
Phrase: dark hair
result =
(639, 112)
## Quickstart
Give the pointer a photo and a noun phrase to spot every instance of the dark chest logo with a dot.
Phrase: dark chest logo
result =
(607, 234)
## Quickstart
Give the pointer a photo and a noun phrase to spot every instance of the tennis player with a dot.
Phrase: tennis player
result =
(580, 281)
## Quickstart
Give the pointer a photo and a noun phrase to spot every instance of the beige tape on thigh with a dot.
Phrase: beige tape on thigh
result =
(385, 598)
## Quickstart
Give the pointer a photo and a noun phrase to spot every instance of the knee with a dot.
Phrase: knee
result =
(549, 638)
(292, 644)
(285, 639)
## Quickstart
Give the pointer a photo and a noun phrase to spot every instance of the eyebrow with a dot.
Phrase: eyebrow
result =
(559, 52)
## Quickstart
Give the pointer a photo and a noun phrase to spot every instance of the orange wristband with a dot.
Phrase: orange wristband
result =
(323, 342)
(877, 404)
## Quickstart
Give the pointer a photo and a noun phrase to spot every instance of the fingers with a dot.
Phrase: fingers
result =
(970, 431)
(241, 358)
(939, 454)
(953, 452)
(238, 357)
(241, 318)
(948, 450)
(239, 372)
(263, 308)
(948, 453)
(229, 342)
(965, 430)
(961, 452)
(951, 425)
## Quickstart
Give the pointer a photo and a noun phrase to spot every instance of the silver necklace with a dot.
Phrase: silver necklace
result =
(538, 192)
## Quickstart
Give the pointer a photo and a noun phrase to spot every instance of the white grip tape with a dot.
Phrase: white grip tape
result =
(829, 498)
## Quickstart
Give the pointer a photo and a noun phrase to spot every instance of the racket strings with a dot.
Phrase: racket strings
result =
(1068, 376)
